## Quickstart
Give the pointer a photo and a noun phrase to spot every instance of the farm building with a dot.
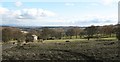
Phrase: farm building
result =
(31, 38)
(24, 32)
(35, 37)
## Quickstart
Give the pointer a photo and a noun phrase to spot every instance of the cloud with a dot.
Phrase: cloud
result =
(69, 4)
(23, 16)
(28, 13)
(109, 2)
(34, 13)
(18, 3)
(94, 21)
(3, 10)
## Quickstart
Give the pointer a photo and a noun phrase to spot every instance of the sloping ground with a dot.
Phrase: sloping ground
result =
(75, 50)
(52, 54)
(8, 45)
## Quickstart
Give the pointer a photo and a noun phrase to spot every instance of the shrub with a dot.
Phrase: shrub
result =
(67, 41)
(118, 32)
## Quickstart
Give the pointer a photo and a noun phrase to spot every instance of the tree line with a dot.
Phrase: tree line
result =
(9, 33)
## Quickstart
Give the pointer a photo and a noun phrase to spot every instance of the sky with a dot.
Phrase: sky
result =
(58, 13)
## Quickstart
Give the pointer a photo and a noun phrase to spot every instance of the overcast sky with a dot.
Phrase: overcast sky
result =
(59, 13)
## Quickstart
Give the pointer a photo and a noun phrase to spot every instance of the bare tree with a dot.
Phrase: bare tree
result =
(90, 31)
(46, 33)
(107, 30)
(10, 33)
(58, 33)
(82, 33)
(76, 31)
(70, 32)
(7, 34)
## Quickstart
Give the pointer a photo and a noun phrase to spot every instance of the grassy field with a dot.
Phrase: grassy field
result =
(76, 49)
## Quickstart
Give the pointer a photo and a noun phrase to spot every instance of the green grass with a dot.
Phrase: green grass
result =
(111, 38)
(71, 40)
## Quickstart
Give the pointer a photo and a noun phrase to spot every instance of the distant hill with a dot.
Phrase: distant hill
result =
(27, 28)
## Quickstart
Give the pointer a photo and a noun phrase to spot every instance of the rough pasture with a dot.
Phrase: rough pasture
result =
(78, 49)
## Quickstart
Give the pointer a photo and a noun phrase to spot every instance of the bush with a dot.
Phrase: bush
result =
(10, 33)
(51, 38)
(118, 32)
(7, 34)
(29, 38)
(118, 36)
(91, 37)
